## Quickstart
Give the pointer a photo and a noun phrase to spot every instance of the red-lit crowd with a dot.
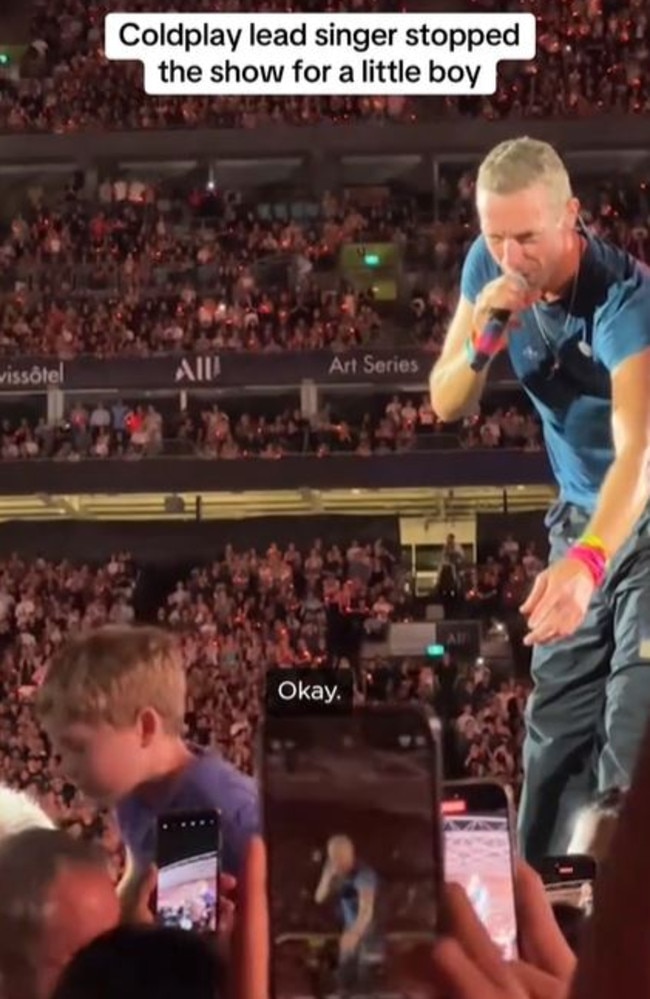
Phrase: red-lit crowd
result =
(235, 618)
(592, 57)
(134, 269)
(402, 425)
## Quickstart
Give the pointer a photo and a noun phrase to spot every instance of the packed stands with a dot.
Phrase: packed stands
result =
(66, 53)
(130, 236)
(134, 269)
(264, 429)
(591, 59)
(235, 618)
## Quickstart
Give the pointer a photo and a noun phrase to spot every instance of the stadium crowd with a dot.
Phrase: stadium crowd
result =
(142, 237)
(135, 269)
(138, 271)
(66, 57)
(591, 58)
(121, 430)
(235, 618)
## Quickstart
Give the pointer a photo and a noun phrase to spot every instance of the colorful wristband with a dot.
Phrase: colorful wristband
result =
(593, 541)
(593, 559)
(484, 345)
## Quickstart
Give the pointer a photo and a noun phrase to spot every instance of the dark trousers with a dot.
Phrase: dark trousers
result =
(355, 971)
(590, 705)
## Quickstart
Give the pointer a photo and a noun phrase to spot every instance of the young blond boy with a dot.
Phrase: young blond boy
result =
(113, 706)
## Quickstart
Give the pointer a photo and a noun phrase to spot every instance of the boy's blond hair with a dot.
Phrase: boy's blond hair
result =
(112, 674)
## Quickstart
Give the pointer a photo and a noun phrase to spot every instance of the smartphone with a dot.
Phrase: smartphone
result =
(570, 881)
(354, 852)
(478, 823)
(188, 851)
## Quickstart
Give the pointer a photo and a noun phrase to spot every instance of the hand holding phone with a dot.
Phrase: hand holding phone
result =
(477, 820)
(136, 895)
(352, 824)
(188, 860)
(549, 964)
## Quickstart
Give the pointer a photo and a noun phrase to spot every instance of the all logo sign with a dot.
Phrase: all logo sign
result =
(198, 370)
(463, 637)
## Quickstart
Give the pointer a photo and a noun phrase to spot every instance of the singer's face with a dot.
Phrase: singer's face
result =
(525, 232)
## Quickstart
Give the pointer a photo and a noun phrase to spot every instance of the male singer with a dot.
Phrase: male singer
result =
(573, 312)
(355, 885)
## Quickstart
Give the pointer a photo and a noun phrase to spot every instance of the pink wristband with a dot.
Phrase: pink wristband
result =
(593, 559)
(490, 340)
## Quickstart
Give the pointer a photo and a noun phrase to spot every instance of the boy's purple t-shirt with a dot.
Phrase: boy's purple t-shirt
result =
(208, 782)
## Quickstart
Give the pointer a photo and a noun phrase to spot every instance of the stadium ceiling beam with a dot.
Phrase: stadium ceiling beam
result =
(461, 504)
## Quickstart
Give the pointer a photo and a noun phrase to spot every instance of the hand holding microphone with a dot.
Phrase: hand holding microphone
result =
(493, 312)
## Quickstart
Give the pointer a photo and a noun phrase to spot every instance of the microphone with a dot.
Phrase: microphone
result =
(487, 344)
(489, 341)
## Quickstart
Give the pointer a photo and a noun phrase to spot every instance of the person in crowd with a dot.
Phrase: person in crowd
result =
(113, 702)
(581, 349)
(56, 894)
(136, 962)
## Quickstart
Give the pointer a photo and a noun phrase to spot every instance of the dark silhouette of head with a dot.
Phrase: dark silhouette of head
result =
(132, 962)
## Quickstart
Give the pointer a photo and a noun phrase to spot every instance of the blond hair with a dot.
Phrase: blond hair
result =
(112, 674)
(340, 844)
(517, 164)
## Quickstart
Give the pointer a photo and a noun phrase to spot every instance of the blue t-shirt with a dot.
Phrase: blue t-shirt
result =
(611, 314)
(480, 899)
(361, 879)
(208, 782)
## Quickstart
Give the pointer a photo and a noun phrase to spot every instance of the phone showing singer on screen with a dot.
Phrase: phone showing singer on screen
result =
(354, 858)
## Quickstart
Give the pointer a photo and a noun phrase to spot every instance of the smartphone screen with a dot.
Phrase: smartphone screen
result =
(187, 857)
(354, 853)
(479, 856)
(570, 881)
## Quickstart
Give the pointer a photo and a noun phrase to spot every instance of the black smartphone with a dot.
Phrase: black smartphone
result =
(351, 814)
(188, 851)
(478, 827)
(570, 881)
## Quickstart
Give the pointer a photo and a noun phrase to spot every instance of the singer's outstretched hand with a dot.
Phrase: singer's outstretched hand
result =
(558, 602)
